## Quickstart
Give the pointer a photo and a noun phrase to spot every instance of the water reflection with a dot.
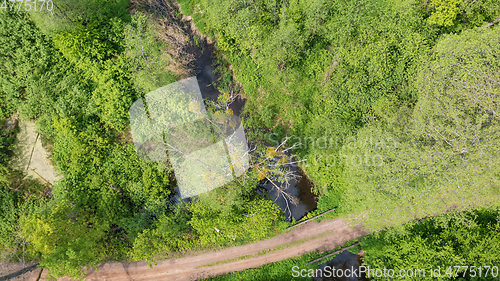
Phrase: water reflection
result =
(342, 261)
(205, 79)
(300, 189)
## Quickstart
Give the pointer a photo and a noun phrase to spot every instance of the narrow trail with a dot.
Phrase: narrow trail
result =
(311, 236)
(336, 232)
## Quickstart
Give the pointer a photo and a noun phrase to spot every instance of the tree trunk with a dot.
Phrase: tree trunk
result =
(492, 23)
(19, 272)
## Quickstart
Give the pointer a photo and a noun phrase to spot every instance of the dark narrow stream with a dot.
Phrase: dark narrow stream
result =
(205, 77)
(343, 261)
(301, 188)
(204, 69)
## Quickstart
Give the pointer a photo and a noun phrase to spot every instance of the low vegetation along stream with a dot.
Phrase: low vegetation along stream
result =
(299, 188)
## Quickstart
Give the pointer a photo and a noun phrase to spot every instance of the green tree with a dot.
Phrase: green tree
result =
(25, 58)
(446, 150)
(67, 15)
(67, 239)
(146, 56)
(455, 15)
(455, 239)
(445, 12)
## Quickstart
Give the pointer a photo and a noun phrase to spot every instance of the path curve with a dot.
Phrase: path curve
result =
(335, 233)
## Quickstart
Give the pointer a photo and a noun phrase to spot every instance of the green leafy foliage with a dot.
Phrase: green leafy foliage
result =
(170, 233)
(456, 239)
(380, 76)
(318, 68)
(326, 69)
(457, 15)
(70, 14)
(145, 55)
(227, 215)
(66, 239)
(445, 12)
(445, 150)
(18, 197)
(75, 82)
(25, 58)
(93, 49)
(258, 220)
(6, 141)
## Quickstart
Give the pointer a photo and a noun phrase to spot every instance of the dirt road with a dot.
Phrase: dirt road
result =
(336, 232)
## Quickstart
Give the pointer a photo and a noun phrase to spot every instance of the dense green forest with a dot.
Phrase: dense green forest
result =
(392, 106)
(77, 76)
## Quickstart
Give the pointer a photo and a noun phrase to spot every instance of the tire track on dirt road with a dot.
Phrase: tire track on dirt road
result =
(335, 233)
